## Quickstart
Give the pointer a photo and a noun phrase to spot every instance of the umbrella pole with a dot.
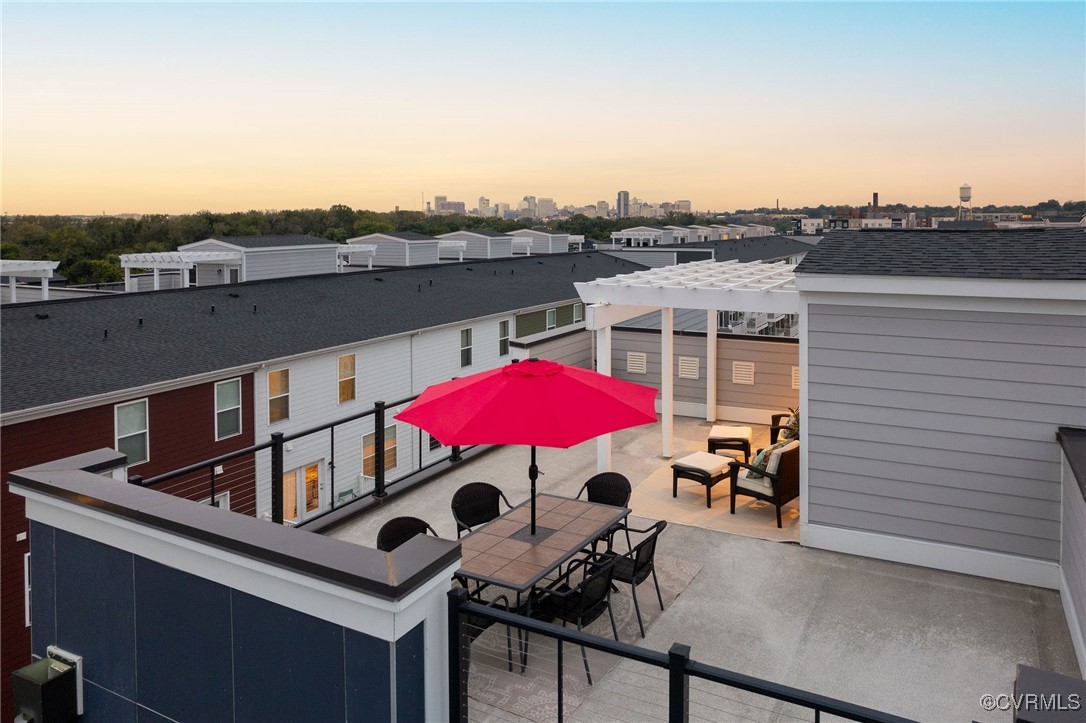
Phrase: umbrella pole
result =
(533, 473)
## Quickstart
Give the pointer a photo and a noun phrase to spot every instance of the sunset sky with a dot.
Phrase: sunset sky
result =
(114, 108)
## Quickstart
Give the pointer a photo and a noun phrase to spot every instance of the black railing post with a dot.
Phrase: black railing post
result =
(454, 453)
(379, 450)
(332, 466)
(277, 477)
(212, 480)
(135, 479)
(561, 676)
(678, 687)
(458, 679)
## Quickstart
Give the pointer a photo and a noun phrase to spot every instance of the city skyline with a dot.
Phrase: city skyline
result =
(114, 109)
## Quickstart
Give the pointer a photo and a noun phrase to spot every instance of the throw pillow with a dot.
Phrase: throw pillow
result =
(762, 459)
(791, 430)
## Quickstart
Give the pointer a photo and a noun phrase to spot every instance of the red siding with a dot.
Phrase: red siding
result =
(182, 432)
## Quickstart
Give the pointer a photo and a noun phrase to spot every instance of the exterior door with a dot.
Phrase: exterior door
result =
(302, 492)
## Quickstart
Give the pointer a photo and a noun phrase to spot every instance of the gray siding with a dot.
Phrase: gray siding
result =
(478, 247)
(1073, 551)
(392, 252)
(278, 264)
(572, 349)
(940, 425)
(773, 361)
(652, 259)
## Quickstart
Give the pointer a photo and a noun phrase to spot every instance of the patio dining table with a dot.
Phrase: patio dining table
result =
(504, 553)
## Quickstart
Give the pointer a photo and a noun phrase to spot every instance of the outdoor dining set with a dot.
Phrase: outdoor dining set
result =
(587, 535)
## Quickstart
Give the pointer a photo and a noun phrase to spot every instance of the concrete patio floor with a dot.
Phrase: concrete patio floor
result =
(916, 642)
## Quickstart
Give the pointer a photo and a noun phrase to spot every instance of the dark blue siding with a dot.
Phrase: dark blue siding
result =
(102, 706)
(411, 676)
(369, 686)
(43, 589)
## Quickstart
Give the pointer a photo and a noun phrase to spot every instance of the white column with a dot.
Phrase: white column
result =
(710, 365)
(156, 278)
(185, 278)
(11, 283)
(127, 279)
(667, 378)
(45, 289)
(603, 366)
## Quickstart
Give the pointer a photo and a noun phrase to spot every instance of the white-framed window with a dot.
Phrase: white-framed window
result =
(465, 347)
(578, 313)
(278, 395)
(346, 378)
(227, 409)
(552, 319)
(130, 424)
(503, 337)
(369, 451)
(222, 500)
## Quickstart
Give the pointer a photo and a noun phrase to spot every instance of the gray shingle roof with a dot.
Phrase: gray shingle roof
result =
(67, 356)
(482, 232)
(263, 242)
(409, 236)
(1052, 254)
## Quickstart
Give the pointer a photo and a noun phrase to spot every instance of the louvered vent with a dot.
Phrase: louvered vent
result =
(637, 362)
(795, 377)
(742, 372)
(688, 367)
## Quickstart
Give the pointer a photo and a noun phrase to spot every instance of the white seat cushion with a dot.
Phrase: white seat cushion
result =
(760, 484)
(720, 431)
(711, 464)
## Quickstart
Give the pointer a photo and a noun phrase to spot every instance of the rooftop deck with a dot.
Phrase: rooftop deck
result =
(913, 641)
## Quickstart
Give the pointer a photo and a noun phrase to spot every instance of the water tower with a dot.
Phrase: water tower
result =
(965, 203)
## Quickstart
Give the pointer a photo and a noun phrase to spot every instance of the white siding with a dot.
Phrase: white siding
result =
(278, 264)
(386, 370)
(652, 259)
(940, 425)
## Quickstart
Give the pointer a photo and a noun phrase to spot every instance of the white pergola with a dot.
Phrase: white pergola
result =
(710, 285)
(448, 243)
(345, 251)
(28, 269)
(177, 261)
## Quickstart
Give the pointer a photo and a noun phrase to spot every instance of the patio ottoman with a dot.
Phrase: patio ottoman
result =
(723, 437)
(701, 467)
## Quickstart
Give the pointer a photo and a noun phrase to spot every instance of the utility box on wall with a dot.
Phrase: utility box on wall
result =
(46, 692)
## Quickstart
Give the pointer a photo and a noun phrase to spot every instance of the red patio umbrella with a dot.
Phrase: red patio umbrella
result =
(535, 402)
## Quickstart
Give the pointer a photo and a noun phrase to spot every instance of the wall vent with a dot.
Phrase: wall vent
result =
(688, 367)
(637, 362)
(742, 372)
(795, 377)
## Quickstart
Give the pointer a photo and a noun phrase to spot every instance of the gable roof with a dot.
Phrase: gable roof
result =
(69, 355)
(394, 235)
(1050, 254)
(477, 232)
(264, 242)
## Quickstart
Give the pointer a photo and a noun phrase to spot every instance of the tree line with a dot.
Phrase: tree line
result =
(88, 249)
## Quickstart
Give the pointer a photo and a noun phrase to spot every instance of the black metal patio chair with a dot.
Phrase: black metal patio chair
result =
(635, 566)
(476, 503)
(580, 603)
(399, 530)
(608, 488)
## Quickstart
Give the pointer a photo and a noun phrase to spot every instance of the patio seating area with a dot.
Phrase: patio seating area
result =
(912, 641)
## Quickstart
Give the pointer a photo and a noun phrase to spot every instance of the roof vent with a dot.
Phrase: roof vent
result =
(742, 372)
(637, 362)
(41, 316)
(689, 367)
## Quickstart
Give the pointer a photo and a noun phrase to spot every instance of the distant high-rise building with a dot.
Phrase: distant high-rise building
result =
(602, 209)
(527, 207)
(682, 206)
(546, 207)
(484, 206)
(439, 203)
(622, 206)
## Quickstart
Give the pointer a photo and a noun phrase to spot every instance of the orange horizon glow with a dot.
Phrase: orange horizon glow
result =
(181, 108)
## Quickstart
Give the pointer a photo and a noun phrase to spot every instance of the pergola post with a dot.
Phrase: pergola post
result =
(185, 277)
(11, 284)
(155, 270)
(45, 288)
(667, 378)
(127, 279)
(710, 365)
(603, 366)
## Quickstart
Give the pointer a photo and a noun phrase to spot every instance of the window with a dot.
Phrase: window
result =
(278, 395)
(465, 347)
(503, 338)
(227, 409)
(578, 313)
(552, 318)
(369, 451)
(131, 428)
(346, 378)
(434, 444)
